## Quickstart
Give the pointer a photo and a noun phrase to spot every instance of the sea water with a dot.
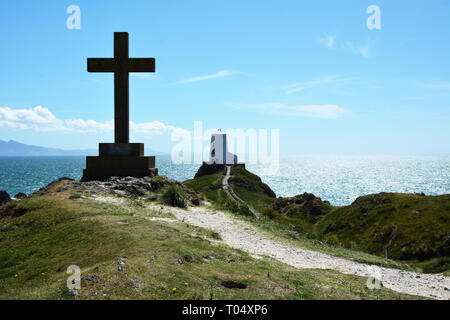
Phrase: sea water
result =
(339, 179)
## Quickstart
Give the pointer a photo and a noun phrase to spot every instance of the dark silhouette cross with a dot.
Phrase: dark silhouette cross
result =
(121, 65)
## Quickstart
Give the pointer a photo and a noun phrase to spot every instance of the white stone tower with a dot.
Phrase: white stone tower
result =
(219, 150)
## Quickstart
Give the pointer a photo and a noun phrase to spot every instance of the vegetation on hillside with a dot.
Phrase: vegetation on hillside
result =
(405, 227)
(412, 229)
(124, 254)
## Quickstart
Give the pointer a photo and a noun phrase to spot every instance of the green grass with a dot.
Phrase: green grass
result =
(406, 227)
(258, 200)
(205, 182)
(422, 223)
(51, 232)
(211, 187)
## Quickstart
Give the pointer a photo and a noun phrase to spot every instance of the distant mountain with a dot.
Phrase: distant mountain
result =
(14, 148)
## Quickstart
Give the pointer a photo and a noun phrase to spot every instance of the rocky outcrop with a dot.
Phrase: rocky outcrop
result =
(311, 205)
(20, 196)
(242, 183)
(127, 187)
(4, 197)
(372, 199)
(207, 169)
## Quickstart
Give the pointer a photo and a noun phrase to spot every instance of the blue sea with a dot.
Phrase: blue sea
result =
(339, 179)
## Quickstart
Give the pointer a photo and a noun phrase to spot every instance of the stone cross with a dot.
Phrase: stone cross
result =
(121, 65)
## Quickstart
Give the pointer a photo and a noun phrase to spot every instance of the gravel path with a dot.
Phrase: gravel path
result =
(230, 192)
(241, 235)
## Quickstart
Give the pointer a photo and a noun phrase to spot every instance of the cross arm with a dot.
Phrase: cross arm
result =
(100, 64)
(141, 65)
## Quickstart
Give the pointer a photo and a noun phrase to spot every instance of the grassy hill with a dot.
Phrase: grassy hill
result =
(125, 254)
(402, 229)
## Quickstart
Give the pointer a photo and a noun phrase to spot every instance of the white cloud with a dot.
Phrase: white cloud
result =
(330, 42)
(300, 86)
(437, 86)
(90, 125)
(42, 119)
(327, 41)
(219, 74)
(36, 115)
(363, 50)
(155, 127)
(328, 111)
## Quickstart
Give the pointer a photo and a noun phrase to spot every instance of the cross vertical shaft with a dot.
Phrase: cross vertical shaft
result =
(121, 89)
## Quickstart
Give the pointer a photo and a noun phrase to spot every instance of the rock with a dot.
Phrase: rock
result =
(207, 169)
(363, 209)
(20, 196)
(312, 205)
(242, 183)
(91, 277)
(4, 197)
(330, 228)
(134, 283)
(195, 201)
(73, 292)
(121, 265)
(372, 199)
(233, 284)
(185, 258)
(150, 259)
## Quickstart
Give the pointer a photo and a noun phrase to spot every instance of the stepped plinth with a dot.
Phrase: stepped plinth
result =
(119, 159)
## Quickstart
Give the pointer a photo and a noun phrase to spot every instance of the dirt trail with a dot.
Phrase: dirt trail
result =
(230, 193)
(241, 235)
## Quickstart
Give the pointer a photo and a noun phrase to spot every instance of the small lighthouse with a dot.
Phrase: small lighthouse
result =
(219, 150)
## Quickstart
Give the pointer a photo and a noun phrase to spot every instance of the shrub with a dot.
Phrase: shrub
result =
(174, 196)
(244, 210)
(237, 207)
(152, 197)
(231, 205)
(215, 235)
(270, 213)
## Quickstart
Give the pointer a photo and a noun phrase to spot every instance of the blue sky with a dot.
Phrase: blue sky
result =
(311, 69)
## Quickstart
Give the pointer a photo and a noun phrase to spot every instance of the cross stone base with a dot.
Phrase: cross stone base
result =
(119, 159)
